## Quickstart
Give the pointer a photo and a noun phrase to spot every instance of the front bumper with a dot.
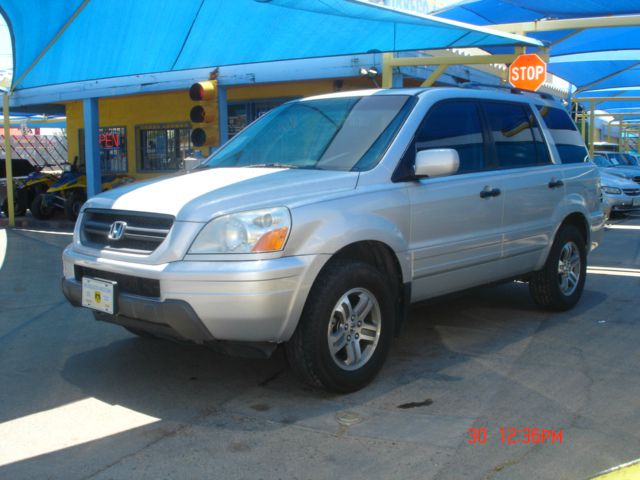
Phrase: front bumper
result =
(621, 203)
(241, 301)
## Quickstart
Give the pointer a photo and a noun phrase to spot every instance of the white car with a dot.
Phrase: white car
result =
(619, 194)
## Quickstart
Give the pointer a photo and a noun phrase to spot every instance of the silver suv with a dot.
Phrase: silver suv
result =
(319, 224)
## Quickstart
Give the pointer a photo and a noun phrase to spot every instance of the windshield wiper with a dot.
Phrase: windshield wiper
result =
(271, 165)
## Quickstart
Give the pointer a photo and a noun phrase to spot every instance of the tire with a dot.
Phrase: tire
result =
(558, 286)
(22, 203)
(340, 287)
(140, 333)
(39, 210)
(73, 204)
(19, 209)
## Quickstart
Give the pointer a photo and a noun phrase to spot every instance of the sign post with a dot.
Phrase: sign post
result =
(528, 72)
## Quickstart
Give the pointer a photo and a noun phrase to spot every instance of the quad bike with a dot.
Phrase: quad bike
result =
(70, 192)
(27, 189)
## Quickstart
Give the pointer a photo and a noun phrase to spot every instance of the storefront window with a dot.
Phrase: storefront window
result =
(113, 149)
(163, 147)
(241, 114)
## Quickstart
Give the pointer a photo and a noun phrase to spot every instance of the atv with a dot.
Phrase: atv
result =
(25, 190)
(70, 192)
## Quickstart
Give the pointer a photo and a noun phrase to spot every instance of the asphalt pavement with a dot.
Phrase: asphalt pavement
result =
(469, 382)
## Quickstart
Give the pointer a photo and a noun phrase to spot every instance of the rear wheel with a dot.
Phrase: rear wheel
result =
(559, 285)
(19, 207)
(346, 328)
(40, 209)
(73, 204)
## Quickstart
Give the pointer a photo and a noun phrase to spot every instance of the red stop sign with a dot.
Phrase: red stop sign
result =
(528, 72)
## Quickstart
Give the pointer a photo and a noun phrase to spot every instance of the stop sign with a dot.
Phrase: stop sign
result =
(528, 72)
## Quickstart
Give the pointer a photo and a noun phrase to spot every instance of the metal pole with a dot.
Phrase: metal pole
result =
(223, 118)
(592, 127)
(387, 70)
(619, 133)
(92, 146)
(609, 132)
(7, 159)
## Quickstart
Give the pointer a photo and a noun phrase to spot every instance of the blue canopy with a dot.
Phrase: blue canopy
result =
(110, 38)
(580, 71)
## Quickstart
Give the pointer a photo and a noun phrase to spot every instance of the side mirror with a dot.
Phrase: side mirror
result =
(437, 162)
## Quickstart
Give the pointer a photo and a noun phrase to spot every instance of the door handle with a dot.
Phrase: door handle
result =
(553, 183)
(490, 192)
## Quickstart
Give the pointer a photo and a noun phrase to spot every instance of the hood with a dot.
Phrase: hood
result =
(626, 172)
(202, 195)
(609, 179)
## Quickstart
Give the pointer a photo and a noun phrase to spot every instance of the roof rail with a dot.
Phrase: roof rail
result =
(520, 91)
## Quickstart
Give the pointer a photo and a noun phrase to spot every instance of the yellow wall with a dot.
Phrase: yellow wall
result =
(174, 107)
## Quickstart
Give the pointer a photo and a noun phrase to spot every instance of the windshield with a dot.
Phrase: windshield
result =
(617, 159)
(348, 133)
(630, 159)
(601, 161)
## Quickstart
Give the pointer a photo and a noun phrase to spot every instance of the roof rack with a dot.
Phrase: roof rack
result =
(511, 89)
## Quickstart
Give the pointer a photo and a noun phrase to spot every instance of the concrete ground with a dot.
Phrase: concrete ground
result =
(82, 399)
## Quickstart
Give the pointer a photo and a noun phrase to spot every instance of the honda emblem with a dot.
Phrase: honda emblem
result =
(116, 232)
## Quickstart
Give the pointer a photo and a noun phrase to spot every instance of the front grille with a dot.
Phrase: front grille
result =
(145, 287)
(143, 232)
(636, 179)
(632, 192)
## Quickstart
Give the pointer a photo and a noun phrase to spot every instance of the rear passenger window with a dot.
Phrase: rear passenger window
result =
(565, 135)
(454, 124)
(516, 135)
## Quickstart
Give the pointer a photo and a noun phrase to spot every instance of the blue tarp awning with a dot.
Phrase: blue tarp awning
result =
(113, 38)
(621, 45)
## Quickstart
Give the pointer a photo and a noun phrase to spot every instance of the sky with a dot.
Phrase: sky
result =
(6, 62)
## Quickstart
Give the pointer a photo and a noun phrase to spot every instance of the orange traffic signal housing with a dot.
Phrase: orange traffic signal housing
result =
(205, 114)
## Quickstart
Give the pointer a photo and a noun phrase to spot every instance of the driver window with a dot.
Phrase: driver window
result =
(454, 124)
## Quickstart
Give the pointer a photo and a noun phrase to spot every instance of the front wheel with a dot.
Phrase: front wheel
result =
(559, 285)
(345, 330)
(73, 204)
(40, 209)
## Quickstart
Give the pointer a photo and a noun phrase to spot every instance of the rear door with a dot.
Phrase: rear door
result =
(532, 185)
(455, 227)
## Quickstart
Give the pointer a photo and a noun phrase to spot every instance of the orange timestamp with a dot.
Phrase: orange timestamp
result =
(515, 436)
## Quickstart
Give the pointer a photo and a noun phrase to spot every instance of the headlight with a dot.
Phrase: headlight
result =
(611, 190)
(257, 231)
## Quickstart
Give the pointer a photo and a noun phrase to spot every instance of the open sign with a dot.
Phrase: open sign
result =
(109, 140)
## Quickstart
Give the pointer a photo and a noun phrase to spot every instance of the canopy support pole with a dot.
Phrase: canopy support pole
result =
(387, 70)
(223, 116)
(619, 132)
(592, 127)
(434, 76)
(92, 146)
(7, 159)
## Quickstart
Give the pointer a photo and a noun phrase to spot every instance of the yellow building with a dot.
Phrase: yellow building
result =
(149, 134)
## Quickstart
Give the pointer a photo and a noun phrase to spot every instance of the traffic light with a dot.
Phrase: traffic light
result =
(205, 114)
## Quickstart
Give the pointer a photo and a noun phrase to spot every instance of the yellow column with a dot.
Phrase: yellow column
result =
(387, 70)
(7, 156)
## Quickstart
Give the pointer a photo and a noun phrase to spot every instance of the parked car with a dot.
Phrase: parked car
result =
(619, 194)
(319, 224)
(616, 163)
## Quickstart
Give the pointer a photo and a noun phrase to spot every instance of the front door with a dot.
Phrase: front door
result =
(456, 221)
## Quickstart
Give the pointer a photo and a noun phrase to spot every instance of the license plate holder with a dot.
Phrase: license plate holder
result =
(99, 294)
(636, 202)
